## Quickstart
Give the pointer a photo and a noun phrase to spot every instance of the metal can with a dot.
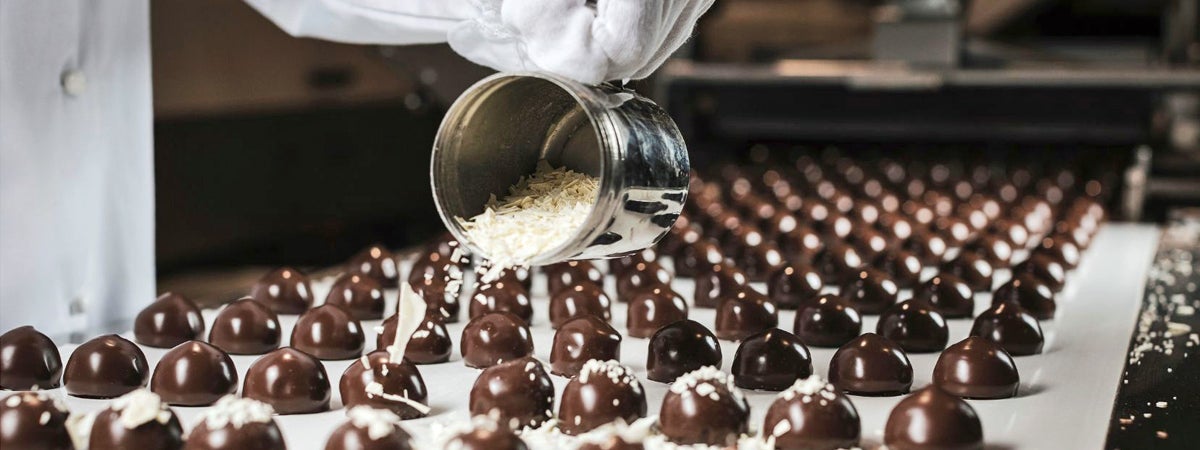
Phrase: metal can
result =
(498, 130)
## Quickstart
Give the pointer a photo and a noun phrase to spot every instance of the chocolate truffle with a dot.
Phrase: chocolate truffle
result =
(580, 340)
(1008, 324)
(903, 266)
(34, 420)
(915, 326)
(328, 332)
(436, 295)
(704, 407)
(869, 241)
(792, 285)
(640, 276)
(245, 327)
(652, 309)
(977, 368)
(698, 258)
(236, 423)
(801, 245)
(972, 270)
(511, 275)
(362, 297)
(494, 338)
(583, 299)
(838, 262)
(367, 428)
(827, 322)
(501, 296)
(139, 420)
(430, 342)
(617, 266)
(1045, 269)
(812, 415)
(771, 361)
(993, 249)
(947, 294)
(926, 245)
(744, 314)
(1012, 232)
(871, 365)
(571, 273)
(486, 435)
(284, 290)
(28, 360)
(679, 348)
(933, 419)
(1030, 293)
(760, 261)
(291, 381)
(194, 374)
(105, 367)
(603, 392)
(870, 291)
(1060, 249)
(375, 263)
(720, 281)
(517, 393)
(169, 321)
(375, 381)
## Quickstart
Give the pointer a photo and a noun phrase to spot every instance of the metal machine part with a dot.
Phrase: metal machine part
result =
(499, 129)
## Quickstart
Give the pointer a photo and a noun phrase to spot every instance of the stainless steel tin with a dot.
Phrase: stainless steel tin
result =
(499, 129)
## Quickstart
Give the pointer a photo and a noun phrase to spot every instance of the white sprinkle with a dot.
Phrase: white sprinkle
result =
(140, 407)
(379, 423)
(231, 410)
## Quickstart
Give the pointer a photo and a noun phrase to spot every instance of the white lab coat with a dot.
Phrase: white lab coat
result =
(76, 155)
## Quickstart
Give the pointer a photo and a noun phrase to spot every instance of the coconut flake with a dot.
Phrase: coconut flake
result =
(231, 410)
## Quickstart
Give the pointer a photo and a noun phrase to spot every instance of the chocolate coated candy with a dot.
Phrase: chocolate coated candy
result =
(794, 284)
(947, 294)
(652, 309)
(284, 290)
(194, 374)
(430, 343)
(516, 393)
(583, 299)
(772, 360)
(871, 365)
(813, 415)
(639, 276)
(746, 313)
(1029, 292)
(933, 419)
(915, 326)
(328, 332)
(109, 430)
(33, 420)
(489, 437)
(169, 321)
(361, 432)
(359, 295)
(376, 263)
(494, 338)
(105, 367)
(1009, 325)
(245, 327)
(28, 360)
(977, 368)
(704, 407)
(291, 381)
(679, 348)
(870, 291)
(571, 273)
(507, 296)
(721, 281)
(580, 340)
(400, 386)
(604, 391)
(827, 322)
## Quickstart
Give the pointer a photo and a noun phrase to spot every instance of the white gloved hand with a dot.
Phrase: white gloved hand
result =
(591, 43)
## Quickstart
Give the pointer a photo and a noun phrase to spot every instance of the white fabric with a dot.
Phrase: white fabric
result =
(589, 42)
(76, 176)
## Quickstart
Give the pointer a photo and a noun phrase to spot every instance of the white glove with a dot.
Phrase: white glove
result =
(591, 43)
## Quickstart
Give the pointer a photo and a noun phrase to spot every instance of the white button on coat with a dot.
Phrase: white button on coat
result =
(74, 83)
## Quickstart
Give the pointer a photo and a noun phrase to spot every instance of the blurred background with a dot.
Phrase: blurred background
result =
(274, 150)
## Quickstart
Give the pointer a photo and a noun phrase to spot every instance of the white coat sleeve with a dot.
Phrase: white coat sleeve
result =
(389, 22)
